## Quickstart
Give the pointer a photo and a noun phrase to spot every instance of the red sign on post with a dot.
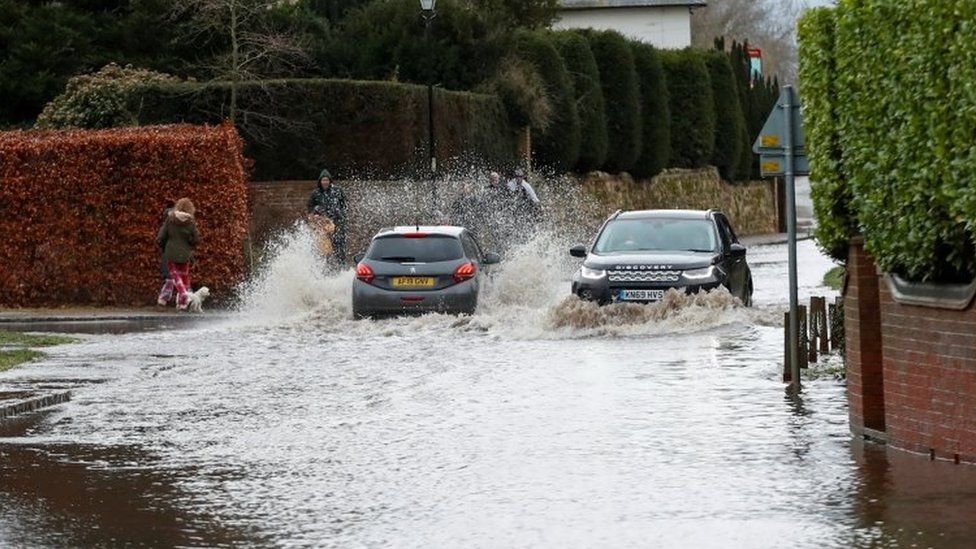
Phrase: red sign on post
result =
(755, 63)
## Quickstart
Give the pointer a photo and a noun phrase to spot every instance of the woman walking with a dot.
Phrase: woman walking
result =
(167, 292)
(178, 236)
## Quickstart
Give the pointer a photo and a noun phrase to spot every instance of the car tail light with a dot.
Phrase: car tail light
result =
(414, 235)
(464, 272)
(364, 273)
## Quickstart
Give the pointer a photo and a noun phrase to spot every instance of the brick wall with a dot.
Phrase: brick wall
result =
(930, 378)
(911, 370)
(287, 195)
(862, 319)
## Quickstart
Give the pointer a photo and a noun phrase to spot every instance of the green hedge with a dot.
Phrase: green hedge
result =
(621, 93)
(729, 121)
(556, 147)
(818, 73)
(368, 129)
(106, 98)
(742, 71)
(905, 114)
(757, 97)
(692, 108)
(655, 112)
(576, 53)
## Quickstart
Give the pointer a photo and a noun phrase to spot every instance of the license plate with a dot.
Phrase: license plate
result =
(413, 281)
(640, 295)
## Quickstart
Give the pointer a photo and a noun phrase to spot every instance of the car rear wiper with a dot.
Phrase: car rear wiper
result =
(698, 250)
(399, 258)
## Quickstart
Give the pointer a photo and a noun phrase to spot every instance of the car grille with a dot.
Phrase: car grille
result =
(643, 276)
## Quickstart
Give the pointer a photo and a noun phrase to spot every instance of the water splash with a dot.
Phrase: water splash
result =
(676, 312)
(296, 280)
(526, 297)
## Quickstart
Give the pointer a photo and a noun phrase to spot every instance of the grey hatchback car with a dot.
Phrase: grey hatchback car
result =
(419, 269)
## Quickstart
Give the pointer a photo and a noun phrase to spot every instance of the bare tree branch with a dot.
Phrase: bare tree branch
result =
(766, 24)
(254, 50)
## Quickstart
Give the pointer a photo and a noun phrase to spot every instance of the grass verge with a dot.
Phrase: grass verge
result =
(835, 277)
(18, 339)
(15, 347)
(15, 357)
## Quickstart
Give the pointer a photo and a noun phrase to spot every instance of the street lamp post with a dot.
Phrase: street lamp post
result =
(427, 10)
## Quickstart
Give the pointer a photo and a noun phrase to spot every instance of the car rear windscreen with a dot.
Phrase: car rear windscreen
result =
(660, 234)
(429, 249)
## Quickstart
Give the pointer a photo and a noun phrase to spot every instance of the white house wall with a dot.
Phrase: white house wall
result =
(667, 27)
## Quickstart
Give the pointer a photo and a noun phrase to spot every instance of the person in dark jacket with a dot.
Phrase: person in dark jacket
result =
(327, 199)
(179, 236)
(167, 292)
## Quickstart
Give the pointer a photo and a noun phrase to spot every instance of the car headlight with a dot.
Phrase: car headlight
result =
(698, 274)
(587, 272)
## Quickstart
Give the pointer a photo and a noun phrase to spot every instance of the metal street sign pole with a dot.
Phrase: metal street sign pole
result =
(795, 386)
(781, 147)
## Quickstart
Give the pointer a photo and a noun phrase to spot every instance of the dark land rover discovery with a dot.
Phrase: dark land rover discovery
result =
(639, 255)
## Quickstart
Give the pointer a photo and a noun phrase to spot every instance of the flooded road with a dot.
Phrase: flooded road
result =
(538, 422)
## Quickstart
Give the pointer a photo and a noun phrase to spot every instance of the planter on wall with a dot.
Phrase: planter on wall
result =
(930, 294)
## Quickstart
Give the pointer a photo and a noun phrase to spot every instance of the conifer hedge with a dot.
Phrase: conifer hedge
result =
(729, 121)
(655, 112)
(556, 147)
(581, 64)
(905, 117)
(692, 108)
(621, 94)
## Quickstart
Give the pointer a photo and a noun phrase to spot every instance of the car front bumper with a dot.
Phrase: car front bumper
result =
(603, 291)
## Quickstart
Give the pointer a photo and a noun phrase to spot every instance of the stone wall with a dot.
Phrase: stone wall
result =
(751, 208)
(574, 206)
(911, 369)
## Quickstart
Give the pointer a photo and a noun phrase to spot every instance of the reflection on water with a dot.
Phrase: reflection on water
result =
(536, 422)
(87, 496)
(905, 500)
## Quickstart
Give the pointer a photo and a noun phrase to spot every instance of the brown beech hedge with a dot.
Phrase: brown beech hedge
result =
(79, 210)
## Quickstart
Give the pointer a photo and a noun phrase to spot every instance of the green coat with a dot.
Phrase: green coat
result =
(178, 238)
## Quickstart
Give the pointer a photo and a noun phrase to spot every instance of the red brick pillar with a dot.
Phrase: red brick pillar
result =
(862, 325)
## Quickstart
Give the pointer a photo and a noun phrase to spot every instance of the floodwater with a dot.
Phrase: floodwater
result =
(538, 422)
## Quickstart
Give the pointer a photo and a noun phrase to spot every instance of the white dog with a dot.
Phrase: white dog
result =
(195, 304)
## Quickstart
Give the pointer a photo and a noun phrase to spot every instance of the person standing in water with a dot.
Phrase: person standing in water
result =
(328, 199)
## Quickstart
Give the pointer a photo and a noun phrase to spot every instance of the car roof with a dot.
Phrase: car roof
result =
(442, 230)
(666, 214)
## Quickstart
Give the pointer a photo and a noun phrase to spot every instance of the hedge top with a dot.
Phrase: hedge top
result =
(895, 128)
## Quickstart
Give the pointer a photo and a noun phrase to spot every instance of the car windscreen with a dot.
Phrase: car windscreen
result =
(661, 234)
(429, 249)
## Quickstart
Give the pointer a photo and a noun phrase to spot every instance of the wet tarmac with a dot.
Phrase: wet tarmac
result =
(538, 422)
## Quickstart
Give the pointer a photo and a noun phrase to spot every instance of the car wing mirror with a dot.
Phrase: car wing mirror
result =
(578, 251)
(491, 258)
(358, 257)
(737, 250)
